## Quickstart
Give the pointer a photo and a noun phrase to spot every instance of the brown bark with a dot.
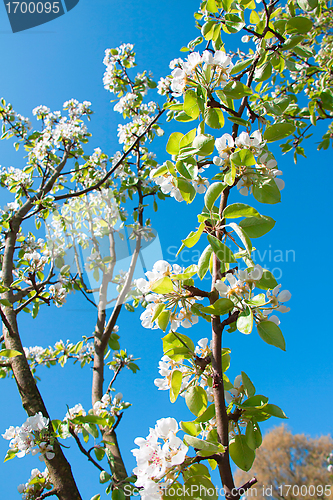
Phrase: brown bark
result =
(59, 469)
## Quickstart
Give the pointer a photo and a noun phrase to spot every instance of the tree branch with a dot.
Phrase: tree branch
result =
(119, 162)
(84, 451)
(47, 494)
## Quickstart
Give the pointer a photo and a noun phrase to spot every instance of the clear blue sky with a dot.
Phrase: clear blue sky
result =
(63, 59)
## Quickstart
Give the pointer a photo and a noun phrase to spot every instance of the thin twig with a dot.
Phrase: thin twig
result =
(47, 494)
(84, 451)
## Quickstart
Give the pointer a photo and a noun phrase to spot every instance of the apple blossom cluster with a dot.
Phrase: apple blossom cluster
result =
(110, 406)
(168, 183)
(171, 296)
(124, 56)
(59, 291)
(238, 287)
(12, 120)
(34, 487)
(14, 177)
(83, 352)
(191, 372)
(58, 131)
(141, 120)
(192, 71)
(32, 437)
(120, 359)
(157, 457)
(265, 168)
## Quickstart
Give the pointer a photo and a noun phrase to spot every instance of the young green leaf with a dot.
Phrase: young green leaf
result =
(203, 264)
(212, 193)
(240, 452)
(176, 382)
(257, 226)
(223, 253)
(196, 400)
(239, 210)
(271, 334)
(248, 386)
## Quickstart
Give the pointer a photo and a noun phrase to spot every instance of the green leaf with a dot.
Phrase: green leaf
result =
(174, 143)
(226, 5)
(172, 341)
(186, 189)
(223, 253)
(204, 144)
(298, 25)
(239, 210)
(253, 435)
(243, 158)
(214, 118)
(279, 131)
(201, 444)
(257, 401)
(211, 6)
(308, 5)
(245, 321)
(196, 400)
(162, 285)
(188, 138)
(248, 386)
(229, 177)
(242, 236)
(219, 308)
(10, 455)
(6, 302)
(292, 42)
(257, 300)
(207, 30)
(118, 494)
(203, 264)
(257, 226)
(10, 353)
(267, 281)
(202, 487)
(180, 166)
(240, 453)
(163, 320)
(207, 415)
(275, 411)
(104, 477)
(233, 23)
(35, 309)
(212, 193)
(267, 193)
(271, 334)
(159, 308)
(196, 470)
(163, 169)
(236, 90)
(191, 106)
(263, 73)
(190, 428)
(193, 238)
(99, 453)
(176, 382)
(239, 121)
(240, 66)
(187, 274)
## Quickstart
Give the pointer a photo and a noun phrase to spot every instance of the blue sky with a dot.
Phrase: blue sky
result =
(63, 59)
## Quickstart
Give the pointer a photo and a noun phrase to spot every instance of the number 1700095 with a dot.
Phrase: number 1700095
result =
(33, 7)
